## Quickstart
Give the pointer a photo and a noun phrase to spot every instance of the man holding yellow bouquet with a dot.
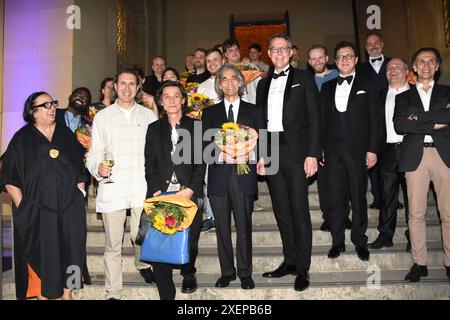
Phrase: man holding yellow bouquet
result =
(227, 190)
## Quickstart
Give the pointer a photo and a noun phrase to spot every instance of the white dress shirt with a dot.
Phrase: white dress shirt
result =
(207, 88)
(343, 93)
(377, 64)
(125, 140)
(275, 102)
(235, 104)
(391, 134)
(426, 99)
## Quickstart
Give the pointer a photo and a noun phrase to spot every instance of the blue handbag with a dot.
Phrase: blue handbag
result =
(164, 248)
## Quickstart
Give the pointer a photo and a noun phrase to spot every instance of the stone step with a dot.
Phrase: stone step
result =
(333, 285)
(266, 260)
(268, 235)
(266, 216)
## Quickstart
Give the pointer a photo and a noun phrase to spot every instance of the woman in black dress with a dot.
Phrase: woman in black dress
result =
(43, 171)
(164, 138)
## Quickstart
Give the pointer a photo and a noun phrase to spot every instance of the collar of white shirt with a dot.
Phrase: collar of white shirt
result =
(378, 61)
(401, 89)
(236, 103)
(285, 70)
(345, 82)
(420, 85)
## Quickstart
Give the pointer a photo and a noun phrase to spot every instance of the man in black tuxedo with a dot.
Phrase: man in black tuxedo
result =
(289, 98)
(352, 136)
(389, 177)
(422, 114)
(228, 191)
(375, 70)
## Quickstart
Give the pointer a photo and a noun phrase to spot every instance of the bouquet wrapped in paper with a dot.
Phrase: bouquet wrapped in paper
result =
(84, 133)
(236, 141)
(250, 72)
(191, 87)
(184, 76)
(196, 103)
(164, 229)
(170, 213)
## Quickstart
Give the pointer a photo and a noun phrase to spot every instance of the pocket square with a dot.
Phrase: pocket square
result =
(360, 92)
(296, 85)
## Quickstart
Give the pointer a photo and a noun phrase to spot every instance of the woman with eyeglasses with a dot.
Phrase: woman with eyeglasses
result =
(43, 171)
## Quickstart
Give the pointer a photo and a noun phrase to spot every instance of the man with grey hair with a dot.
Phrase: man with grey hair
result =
(388, 174)
(227, 191)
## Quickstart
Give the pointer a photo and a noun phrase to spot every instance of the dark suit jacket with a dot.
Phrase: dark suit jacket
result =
(364, 122)
(379, 79)
(301, 114)
(60, 114)
(159, 166)
(219, 174)
(408, 103)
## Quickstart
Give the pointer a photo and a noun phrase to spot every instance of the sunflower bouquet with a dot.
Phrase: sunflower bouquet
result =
(236, 140)
(191, 87)
(196, 103)
(170, 213)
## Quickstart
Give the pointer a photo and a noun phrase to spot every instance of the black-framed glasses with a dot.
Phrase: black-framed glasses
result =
(347, 57)
(47, 105)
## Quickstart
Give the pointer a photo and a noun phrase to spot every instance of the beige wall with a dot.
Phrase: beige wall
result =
(37, 56)
(94, 45)
(203, 23)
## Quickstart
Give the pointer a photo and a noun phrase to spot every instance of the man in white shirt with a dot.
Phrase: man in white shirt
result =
(389, 176)
(422, 114)
(118, 134)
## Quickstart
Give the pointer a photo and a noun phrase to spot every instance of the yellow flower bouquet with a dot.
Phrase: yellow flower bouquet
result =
(196, 103)
(236, 140)
(170, 213)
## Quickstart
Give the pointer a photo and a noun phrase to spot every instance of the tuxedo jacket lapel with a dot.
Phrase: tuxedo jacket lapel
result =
(354, 91)
(266, 96)
(287, 90)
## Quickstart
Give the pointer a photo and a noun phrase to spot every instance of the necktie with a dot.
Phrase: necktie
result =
(230, 114)
(276, 76)
(376, 59)
(341, 80)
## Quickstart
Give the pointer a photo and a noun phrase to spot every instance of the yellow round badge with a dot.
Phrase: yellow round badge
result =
(54, 153)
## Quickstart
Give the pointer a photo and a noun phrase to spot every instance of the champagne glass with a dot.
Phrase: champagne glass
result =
(109, 161)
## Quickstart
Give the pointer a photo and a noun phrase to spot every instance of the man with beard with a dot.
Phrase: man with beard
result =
(201, 74)
(72, 117)
(153, 82)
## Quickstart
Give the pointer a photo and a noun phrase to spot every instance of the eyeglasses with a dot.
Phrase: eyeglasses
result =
(347, 57)
(47, 105)
(278, 49)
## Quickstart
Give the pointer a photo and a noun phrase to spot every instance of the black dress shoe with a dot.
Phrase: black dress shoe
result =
(363, 253)
(416, 272)
(301, 281)
(224, 281)
(335, 251)
(448, 272)
(283, 270)
(325, 227)
(189, 284)
(207, 225)
(148, 275)
(381, 243)
(247, 283)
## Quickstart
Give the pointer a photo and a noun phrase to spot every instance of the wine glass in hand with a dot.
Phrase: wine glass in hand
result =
(109, 161)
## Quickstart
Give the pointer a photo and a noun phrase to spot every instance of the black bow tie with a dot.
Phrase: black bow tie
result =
(341, 80)
(276, 76)
(376, 59)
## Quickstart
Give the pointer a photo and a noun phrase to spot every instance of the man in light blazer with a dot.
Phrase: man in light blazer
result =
(352, 136)
(422, 114)
(289, 99)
